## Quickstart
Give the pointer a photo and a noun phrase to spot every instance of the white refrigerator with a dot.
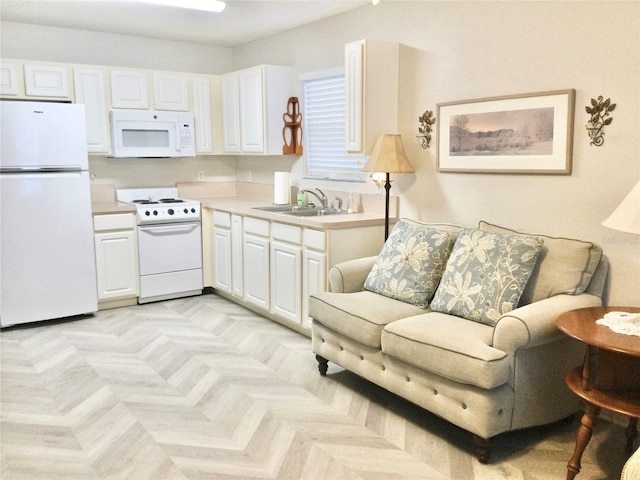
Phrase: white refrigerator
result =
(47, 256)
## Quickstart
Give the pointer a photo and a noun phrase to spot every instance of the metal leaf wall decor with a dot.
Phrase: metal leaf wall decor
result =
(424, 130)
(599, 111)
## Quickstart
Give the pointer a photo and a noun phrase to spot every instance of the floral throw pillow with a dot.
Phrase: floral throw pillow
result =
(411, 263)
(486, 275)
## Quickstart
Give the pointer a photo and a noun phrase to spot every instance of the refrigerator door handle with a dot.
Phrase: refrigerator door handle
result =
(54, 169)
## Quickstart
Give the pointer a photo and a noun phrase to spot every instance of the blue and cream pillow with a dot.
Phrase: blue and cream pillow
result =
(411, 263)
(486, 275)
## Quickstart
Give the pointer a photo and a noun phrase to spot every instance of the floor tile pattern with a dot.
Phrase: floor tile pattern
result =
(201, 388)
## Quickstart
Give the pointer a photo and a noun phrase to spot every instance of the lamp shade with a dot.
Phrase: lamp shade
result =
(388, 156)
(626, 217)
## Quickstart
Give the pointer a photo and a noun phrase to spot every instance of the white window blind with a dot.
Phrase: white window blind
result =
(324, 124)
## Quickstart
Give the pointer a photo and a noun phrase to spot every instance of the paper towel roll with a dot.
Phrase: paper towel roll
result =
(282, 188)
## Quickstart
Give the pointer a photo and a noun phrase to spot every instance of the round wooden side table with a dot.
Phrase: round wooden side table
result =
(608, 378)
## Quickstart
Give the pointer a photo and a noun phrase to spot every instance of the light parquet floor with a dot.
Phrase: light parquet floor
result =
(201, 388)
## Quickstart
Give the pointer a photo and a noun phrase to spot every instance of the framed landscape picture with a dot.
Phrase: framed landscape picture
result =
(531, 133)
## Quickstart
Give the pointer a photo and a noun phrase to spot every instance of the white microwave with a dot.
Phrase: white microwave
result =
(147, 133)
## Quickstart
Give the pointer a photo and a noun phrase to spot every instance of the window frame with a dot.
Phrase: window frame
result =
(354, 163)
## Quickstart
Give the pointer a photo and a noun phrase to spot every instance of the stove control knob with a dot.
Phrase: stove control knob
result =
(186, 210)
(147, 213)
(193, 210)
(170, 211)
(155, 212)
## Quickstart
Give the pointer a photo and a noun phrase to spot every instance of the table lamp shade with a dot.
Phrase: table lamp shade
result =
(626, 217)
(388, 156)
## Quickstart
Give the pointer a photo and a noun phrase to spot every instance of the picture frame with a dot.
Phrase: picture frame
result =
(528, 134)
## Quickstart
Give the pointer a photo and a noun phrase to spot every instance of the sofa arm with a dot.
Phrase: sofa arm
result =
(535, 324)
(349, 276)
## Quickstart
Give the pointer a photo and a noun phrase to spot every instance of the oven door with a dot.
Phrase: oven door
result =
(169, 247)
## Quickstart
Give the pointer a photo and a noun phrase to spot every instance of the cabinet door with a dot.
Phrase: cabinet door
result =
(286, 276)
(8, 79)
(116, 264)
(237, 256)
(222, 279)
(256, 270)
(202, 114)
(89, 90)
(231, 114)
(129, 89)
(251, 111)
(46, 81)
(354, 62)
(171, 92)
(313, 281)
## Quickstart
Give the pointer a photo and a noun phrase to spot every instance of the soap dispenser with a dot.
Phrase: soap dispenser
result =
(300, 197)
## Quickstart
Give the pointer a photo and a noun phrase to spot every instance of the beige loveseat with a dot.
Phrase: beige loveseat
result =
(487, 376)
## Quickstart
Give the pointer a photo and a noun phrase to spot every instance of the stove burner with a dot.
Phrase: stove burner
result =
(144, 202)
(171, 200)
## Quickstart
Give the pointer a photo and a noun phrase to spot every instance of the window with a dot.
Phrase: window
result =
(324, 123)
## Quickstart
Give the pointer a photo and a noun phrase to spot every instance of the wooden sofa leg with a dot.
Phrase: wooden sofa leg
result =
(483, 448)
(323, 365)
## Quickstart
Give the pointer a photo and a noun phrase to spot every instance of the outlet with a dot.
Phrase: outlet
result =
(201, 175)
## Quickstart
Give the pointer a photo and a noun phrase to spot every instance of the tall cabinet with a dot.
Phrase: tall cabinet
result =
(371, 93)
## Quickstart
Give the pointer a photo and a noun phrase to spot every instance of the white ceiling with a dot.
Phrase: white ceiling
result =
(241, 22)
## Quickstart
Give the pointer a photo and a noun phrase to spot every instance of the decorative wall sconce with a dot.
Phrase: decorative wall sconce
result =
(424, 130)
(599, 111)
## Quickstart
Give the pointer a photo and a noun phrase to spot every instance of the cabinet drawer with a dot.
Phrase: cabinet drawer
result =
(221, 219)
(315, 239)
(256, 226)
(287, 233)
(114, 222)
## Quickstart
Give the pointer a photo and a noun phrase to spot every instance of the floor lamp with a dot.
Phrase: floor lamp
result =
(388, 156)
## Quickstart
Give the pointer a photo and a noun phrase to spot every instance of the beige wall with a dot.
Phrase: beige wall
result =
(464, 50)
(451, 51)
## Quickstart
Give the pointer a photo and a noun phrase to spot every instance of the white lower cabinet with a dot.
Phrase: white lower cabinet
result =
(286, 271)
(273, 267)
(226, 253)
(256, 261)
(314, 267)
(116, 248)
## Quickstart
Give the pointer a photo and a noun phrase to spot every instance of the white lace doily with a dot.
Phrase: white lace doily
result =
(622, 322)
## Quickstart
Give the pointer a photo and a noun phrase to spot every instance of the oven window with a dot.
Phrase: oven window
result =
(145, 138)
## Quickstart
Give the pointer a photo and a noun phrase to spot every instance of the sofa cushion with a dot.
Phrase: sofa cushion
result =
(449, 346)
(565, 265)
(486, 275)
(411, 263)
(358, 315)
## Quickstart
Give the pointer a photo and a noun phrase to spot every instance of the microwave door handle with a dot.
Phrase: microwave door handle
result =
(178, 139)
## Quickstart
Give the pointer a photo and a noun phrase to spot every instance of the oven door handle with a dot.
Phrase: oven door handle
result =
(169, 229)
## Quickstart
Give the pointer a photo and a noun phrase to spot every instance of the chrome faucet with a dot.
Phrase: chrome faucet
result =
(322, 197)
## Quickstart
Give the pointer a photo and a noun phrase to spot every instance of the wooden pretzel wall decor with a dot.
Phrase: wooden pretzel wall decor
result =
(292, 131)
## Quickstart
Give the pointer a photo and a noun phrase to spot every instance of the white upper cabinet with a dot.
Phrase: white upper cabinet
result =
(171, 92)
(371, 76)
(231, 113)
(89, 90)
(203, 114)
(129, 89)
(46, 81)
(9, 79)
(253, 102)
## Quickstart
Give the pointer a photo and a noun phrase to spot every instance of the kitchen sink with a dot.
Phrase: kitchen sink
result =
(299, 211)
(312, 212)
(276, 208)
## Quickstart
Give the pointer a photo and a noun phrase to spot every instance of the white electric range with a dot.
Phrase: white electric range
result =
(169, 243)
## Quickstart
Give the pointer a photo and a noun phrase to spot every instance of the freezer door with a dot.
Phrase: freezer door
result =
(43, 135)
(47, 258)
